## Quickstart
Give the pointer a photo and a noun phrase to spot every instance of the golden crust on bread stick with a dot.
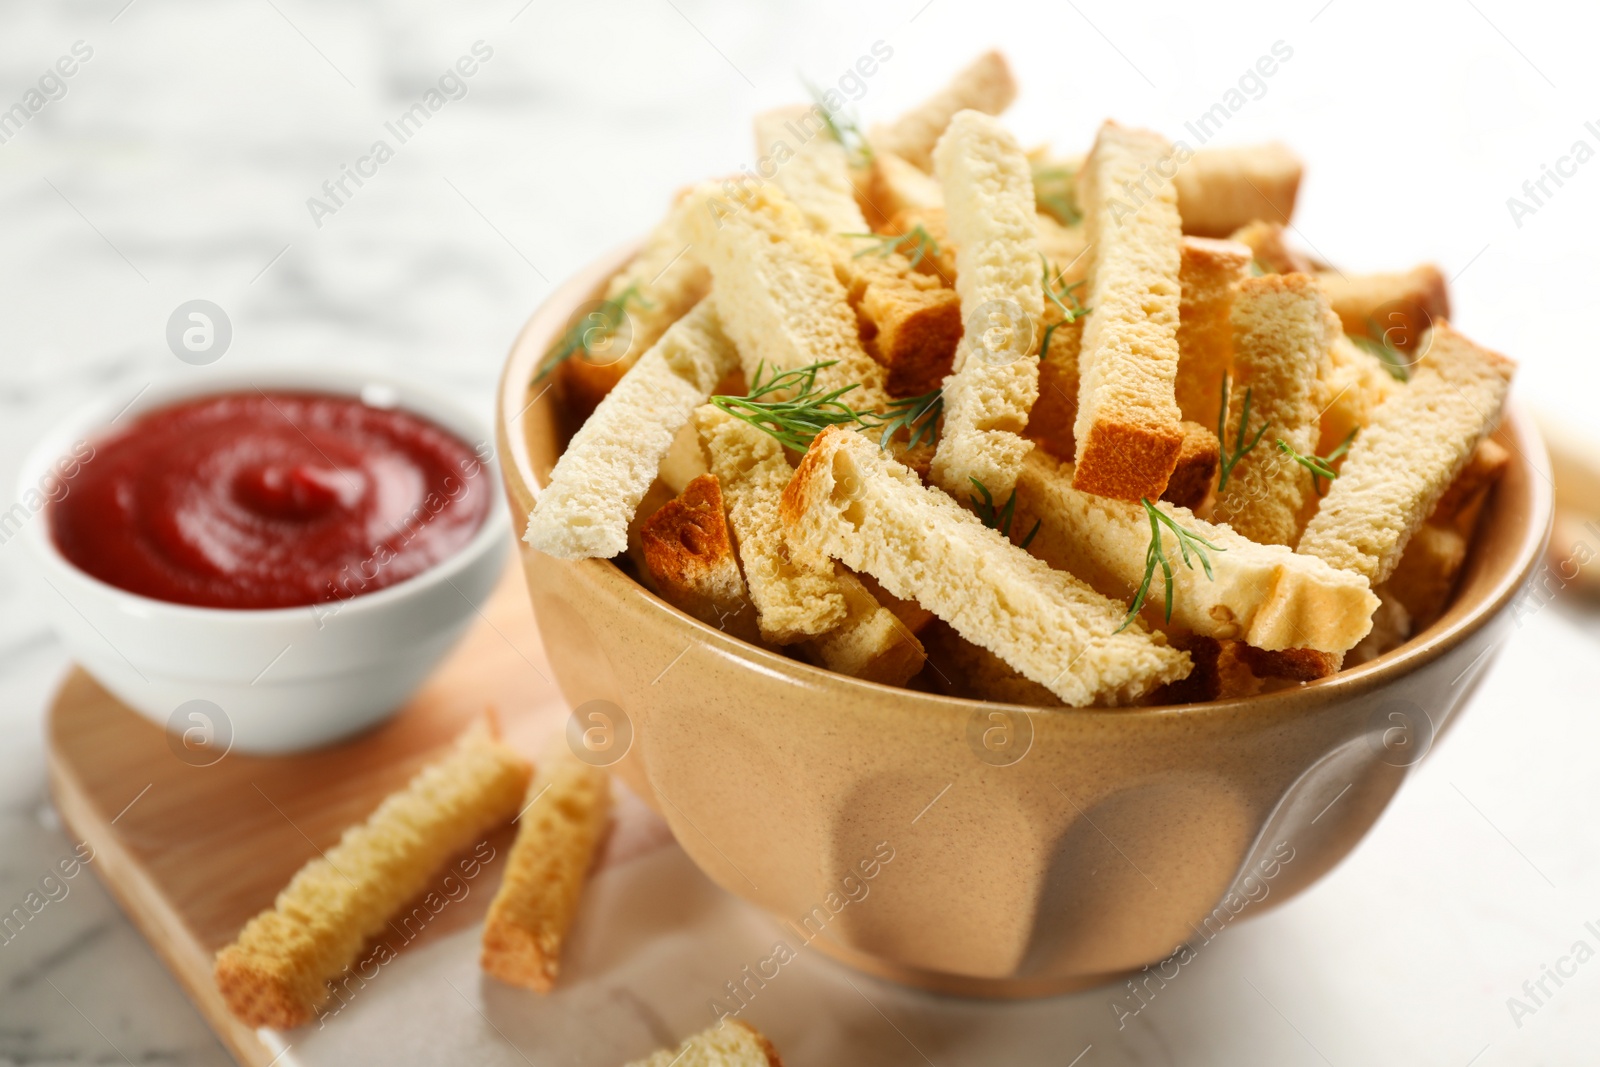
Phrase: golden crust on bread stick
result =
(1128, 433)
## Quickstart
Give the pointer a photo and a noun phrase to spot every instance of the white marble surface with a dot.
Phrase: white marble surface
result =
(178, 164)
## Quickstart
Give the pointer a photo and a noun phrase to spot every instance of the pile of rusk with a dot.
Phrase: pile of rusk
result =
(930, 410)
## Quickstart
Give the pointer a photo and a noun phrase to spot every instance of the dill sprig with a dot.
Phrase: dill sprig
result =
(1394, 361)
(842, 128)
(1000, 518)
(798, 410)
(1055, 194)
(590, 331)
(918, 416)
(1156, 556)
(925, 244)
(1059, 297)
(797, 420)
(1230, 459)
(1321, 467)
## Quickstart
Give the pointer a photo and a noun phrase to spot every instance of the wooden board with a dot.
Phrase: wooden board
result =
(192, 852)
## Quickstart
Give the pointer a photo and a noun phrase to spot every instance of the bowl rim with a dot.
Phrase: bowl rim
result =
(511, 408)
(91, 421)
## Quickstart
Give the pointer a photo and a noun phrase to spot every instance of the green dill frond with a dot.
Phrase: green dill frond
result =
(842, 128)
(1156, 556)
(1231, 457)
(923, 244)
(595, 328)
(918, 416)
(1064, 297)
(1321, 467)
(794, 422)
(1055, 193)
(1394, 361)
(998, 519)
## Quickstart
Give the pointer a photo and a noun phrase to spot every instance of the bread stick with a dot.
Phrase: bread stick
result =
(1209, 273)
(562, 820)
(612, 460)
(1128, 433)
(1401, 464)
(1263, 594)
(984, 85)
(1282, 332)
(988, 194)
(852, 502)
(276, 973)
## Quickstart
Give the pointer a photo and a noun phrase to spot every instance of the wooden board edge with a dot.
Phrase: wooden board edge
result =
(140, 901)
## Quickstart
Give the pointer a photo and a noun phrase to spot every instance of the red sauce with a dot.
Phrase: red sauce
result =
(270, 500)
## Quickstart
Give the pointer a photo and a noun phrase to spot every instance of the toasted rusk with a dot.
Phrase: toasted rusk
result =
(1392, 626)
(912, 330)
(1196, 469)
(1050, 423)
(871, 643)
(938, 251)
(1222, 189)
(1128, 433)
(1294, 664)
(655, 498)
(657, 288)
(1351, 384)
(983, 85)
(895, 186)
(689, 556)
(795, 598)
(610, 462)
(686, 460)
(909, 321)
(1282, 330)
(1426, 575)
(1397, 468)
(1264, 594)
(851, 501)
(1396, 307)
(1218, 673)
(1458, 506)
(276, 972)
(776, 292)
(559, 828)
(1271, 249)
(1208, 274)
(1066, 247)
(817, 177)
(988, 195)
(963, 669)
(731, 1043)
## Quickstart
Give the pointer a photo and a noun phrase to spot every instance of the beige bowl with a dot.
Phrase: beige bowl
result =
(978, 848)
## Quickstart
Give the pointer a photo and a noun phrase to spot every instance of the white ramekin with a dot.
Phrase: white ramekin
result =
(275, 680)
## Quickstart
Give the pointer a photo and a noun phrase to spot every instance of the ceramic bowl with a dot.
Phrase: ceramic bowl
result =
(979, 848)
(263, 681)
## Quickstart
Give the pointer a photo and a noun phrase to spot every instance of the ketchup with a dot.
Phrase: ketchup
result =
(270, 500)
